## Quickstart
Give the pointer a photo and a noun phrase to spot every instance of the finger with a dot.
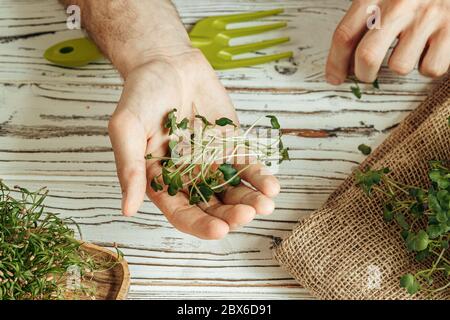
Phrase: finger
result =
(259, 177)
(128, 140)
(345, 39)
(216, 95)
(244, 195)
(412, 43)
(236, 215)
(373, 47)
(183, 216)
(436, 60)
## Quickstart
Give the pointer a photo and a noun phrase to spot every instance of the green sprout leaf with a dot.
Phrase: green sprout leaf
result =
(224, 122)
(388, 215)
(166, 176)
(435, 230)
(204, 120)
(172, 144)
(183, 124)
(229, 174)
(284, 155)
(356, 90)
(417, 209)
(274, 122)
(172, 190)
(365, 149)
(410, 283)
(368, 179)
(155, 185)
(200, 193)
(375, 84)
(171, 122)
(194, 199)
(404, 234)
(417, 193)
(205, 191)
(175, 185)
(444, 244)
(422, 255)
(401, 220)
(421, 241)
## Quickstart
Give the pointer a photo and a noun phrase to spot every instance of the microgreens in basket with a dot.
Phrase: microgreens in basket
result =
(37, 249)
(423, 215)
(202, 155)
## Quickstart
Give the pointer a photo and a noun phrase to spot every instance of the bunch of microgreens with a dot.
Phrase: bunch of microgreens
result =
(424, 218)
(201, 160)
(36, 249)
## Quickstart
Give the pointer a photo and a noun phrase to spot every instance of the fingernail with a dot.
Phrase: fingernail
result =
(331, 79)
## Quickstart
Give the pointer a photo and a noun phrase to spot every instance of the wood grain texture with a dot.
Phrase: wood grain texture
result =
(53, 132)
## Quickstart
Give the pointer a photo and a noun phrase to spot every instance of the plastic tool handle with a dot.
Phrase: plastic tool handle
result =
(73, 53)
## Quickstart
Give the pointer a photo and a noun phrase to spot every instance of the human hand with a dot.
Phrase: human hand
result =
(150, 92)
(147, 43)
(421, 26)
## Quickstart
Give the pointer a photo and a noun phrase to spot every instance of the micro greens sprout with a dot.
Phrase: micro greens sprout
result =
(424, 218)
(202, 161)
(37, 249)
(356, 89)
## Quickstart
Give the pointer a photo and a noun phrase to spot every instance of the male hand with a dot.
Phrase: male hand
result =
(147, 43)
(150, 92)
(421, 26)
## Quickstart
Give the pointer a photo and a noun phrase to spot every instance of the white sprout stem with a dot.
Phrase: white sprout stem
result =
(195, 161)
(252, 126)
(239, 155)
(210, 163)
(246, 133)
(200, 193)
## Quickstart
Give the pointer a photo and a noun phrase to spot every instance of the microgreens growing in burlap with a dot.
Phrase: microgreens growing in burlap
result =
(423, 214)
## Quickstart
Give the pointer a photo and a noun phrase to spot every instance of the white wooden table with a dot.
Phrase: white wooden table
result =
(53, 132)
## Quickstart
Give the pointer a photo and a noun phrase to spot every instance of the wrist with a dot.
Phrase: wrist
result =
(127, 60)
(149, 43)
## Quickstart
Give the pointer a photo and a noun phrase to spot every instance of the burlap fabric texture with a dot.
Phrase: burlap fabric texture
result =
(345, 250)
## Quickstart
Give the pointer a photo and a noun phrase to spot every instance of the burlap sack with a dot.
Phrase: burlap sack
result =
(345, 250)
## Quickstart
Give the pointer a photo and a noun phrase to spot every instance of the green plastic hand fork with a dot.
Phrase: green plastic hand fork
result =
(209, 35)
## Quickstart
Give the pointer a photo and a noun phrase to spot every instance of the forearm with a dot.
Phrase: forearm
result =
(132, 32)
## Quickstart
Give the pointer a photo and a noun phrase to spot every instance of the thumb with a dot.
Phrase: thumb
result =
(129, 141)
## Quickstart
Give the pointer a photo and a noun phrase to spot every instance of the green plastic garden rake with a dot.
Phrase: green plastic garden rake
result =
(210, 35)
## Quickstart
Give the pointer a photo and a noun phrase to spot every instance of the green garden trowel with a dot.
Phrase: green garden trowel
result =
(210, 35)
